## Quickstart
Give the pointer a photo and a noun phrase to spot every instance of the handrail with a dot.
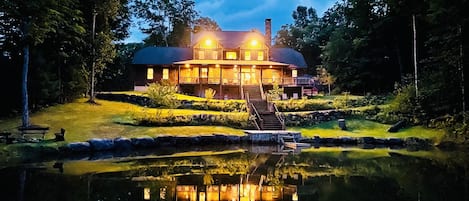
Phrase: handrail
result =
(259, 125)
(279, 116)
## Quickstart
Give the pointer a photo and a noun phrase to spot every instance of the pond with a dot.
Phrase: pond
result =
(243, 173)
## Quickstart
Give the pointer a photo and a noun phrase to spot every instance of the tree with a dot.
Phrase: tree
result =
(325, 78)
(28, 24)
(205, 24)
(167, 22)
(302, 35)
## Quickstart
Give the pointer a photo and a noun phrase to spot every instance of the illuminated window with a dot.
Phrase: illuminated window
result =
(165, 73)
(150, 73)
(247, 55)
(294, 73)
(214, 55)
(260, 55)
(201, 55)
(231, 55)
(204, 72)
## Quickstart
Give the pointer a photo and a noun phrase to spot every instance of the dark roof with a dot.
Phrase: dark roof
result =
(228, 39)
(289, 56)
(161, 55)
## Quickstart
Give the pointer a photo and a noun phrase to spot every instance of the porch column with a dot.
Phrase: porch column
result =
(221, 82)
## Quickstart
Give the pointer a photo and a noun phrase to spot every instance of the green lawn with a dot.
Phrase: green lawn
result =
(365, 128)
(83, 121)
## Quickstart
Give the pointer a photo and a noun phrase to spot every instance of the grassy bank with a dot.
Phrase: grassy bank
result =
(83, 121)
(365, 128)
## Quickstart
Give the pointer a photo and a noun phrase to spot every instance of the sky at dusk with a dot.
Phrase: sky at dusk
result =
(244, 15)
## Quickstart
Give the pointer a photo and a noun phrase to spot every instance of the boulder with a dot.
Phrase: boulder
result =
(143, 142)
(101, 144)
(122, 143)
(79, 147)
(397, 126)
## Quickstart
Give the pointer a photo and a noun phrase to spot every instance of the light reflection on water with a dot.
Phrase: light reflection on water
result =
(245, 173)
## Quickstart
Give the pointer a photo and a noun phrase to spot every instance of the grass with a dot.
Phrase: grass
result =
(83, 121)
(365, 128)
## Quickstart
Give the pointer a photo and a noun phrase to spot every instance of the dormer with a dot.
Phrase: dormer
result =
(207, 47)
(254, 47)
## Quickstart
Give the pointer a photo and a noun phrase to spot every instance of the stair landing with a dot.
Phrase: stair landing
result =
(271, 135)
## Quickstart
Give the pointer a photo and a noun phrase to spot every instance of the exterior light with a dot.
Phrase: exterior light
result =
(235, 66)
(270, 66)
(208, 42)
(187, 65)
(218, 65)
(254, 43)
(253, 66)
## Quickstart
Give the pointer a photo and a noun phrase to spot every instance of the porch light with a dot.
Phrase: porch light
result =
(187, 65)
(235, 66)
(218, 65)
(270, 66)
(253, 66)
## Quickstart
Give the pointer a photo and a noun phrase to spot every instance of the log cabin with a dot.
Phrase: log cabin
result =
(235, 64)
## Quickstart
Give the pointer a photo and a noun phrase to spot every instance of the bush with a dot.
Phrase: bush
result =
(210, 93)
(163, 95)
(234, 120)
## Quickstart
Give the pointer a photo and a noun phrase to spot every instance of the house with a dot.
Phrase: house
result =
(233, 63)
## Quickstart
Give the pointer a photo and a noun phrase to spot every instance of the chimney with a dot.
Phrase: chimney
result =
(268, 32)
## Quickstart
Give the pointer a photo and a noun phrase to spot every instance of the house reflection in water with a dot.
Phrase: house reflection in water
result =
(224, 191)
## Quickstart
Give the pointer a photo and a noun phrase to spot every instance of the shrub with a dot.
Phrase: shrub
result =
(163, 95)
(275, 93)
(210, 93)
(235, 120)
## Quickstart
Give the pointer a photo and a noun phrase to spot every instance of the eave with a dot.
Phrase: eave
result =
(230, 62)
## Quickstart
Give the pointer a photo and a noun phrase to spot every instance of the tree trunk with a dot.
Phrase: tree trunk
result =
(24, 87)
(415, 54)
(329, 87)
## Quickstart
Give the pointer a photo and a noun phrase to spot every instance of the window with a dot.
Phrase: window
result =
(150, 73)
(231, 55)
(247, 55)
(214, 55)
(201, 55)
(204, 72)
(260, 55)
(294, 73)
(165, 73)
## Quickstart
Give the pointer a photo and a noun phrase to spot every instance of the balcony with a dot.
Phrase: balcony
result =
(235, 81)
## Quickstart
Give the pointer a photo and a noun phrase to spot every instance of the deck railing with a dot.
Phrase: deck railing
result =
(236, 81)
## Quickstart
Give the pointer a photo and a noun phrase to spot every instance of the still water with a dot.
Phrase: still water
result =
(243, 174)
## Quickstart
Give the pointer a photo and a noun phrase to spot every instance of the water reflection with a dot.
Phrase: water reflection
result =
(313, 174)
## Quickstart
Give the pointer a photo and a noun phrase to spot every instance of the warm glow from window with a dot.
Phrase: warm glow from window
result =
(294, 73)
(231, 55)
(247, 55)
(150, 73)
(215, 55)
(260, 56)
(165, 73)
(146, 193)
(201, 55)
(204, 72)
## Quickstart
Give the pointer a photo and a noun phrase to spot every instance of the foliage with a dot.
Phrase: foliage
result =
(167, 23)
(275, 93)
(163, 94)
(325, 78)
(205, 24)
(210, 93)
(341, 102)
(234, 120)
(215, 105)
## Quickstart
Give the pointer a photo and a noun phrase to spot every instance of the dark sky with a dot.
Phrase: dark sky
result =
(244, 15)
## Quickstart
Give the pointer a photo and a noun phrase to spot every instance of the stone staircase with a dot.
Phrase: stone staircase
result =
(270, 120)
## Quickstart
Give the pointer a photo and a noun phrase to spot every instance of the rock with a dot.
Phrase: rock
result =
(395, 141)
(367, 140)
(101, 144)
(79, 147)
(397, 126)
(122, 143)
(143, 142)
